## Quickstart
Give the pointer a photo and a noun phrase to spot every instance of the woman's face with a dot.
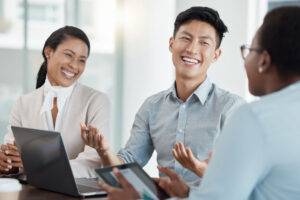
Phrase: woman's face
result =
(252, 63)
(66, 64)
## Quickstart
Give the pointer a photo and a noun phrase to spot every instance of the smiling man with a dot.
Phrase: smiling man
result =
(182, 123)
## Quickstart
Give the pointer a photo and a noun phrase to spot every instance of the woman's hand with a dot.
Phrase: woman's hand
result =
(94, 138)
(10, 159)
(187, 159)
(127, 192)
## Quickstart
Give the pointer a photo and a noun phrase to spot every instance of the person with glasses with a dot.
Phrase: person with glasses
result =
(257, 154)
(183, 122)
(60, 103)
(246, 49)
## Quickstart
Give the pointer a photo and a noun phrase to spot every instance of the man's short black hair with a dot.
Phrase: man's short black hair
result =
(279, 35)
(204, 14)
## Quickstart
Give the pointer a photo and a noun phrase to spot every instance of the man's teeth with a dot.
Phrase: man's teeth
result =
(190, 60)
(68, 74)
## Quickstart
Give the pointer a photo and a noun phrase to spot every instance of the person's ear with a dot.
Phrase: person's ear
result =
(171, 42)
(264, 62)
(48, 52)
(217, 54)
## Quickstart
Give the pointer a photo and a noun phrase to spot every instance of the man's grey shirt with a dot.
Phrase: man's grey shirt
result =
(164, 120)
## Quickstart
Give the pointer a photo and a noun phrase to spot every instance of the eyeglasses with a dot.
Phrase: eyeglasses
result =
(246, 49)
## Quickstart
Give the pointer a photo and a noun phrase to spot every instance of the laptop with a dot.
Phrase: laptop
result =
(47, 166)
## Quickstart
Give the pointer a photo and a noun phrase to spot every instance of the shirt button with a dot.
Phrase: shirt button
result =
(183, 105)
(180, 130)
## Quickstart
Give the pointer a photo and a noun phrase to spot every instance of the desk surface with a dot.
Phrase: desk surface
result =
(32, 193)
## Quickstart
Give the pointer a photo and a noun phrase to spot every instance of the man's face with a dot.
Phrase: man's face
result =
(193, 49)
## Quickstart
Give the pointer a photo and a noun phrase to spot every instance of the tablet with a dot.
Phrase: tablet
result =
(137, 177)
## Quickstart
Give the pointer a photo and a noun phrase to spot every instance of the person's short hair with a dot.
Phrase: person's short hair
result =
(279, 35)
(204, 14)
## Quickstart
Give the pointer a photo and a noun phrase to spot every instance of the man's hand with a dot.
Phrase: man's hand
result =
(10, 160)
(173, 184)
(187, 159)
(127, 192)
(94, 138)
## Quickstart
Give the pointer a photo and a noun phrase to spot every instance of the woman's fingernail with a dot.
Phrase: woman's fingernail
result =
(115, 170)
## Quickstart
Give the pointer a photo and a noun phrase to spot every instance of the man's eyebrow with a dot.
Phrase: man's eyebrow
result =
(186, 33)
(200, 37)
(206, 37)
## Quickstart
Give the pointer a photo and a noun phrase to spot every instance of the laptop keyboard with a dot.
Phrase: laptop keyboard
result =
(86, 189)
(87, 184)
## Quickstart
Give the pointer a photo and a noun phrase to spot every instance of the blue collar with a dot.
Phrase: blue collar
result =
(202, 91)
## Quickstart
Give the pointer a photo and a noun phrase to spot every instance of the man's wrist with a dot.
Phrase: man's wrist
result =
(200, 170)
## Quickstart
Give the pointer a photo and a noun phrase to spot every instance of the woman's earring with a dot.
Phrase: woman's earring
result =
(260, 70)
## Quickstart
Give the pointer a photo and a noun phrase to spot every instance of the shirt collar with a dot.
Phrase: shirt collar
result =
(171, 92)
(62, 94)
(202, 91)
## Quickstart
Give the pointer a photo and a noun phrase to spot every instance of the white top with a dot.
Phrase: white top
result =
(84, 104)
(62, 94)
(257, 155)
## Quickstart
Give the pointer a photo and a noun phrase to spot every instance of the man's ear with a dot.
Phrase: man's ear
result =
(264, 61)
(48, 52)
(171, 42)
(217, 54)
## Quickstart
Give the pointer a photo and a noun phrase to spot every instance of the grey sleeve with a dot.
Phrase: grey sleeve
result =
(139, 147)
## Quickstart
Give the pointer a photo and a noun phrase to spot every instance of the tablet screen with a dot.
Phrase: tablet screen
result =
(136, 176)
